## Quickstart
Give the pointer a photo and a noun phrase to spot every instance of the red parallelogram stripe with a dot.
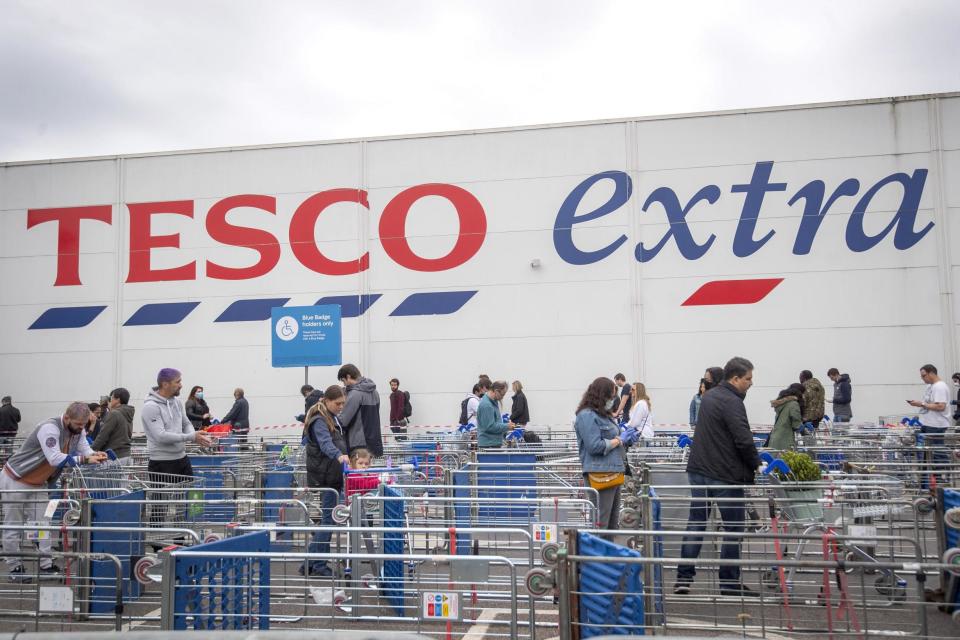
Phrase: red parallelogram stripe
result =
(732, 292)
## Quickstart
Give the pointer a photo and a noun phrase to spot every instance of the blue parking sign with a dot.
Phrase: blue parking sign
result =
(306, 336)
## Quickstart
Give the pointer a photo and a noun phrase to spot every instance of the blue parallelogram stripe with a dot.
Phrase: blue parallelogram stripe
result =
(250, 310)
(351, 306)
(160, 313)
(434, 303)
(66, 317)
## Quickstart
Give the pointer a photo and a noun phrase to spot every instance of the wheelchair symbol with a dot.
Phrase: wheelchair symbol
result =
(287, 328)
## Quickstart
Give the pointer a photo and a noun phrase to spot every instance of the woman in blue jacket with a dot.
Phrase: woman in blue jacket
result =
(326, 455)
(601, 446)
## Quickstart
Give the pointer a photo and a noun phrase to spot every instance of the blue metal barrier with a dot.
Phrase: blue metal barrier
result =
(392, 583)
(520, 482)
(611, 594)
(951, 500)
(127, 546)
(217, 593)
(461, 510)
(215, 471)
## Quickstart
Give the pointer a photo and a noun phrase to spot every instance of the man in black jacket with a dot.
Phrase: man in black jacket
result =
(239, 416)
(9, 419)
(722, 453)
(311, 397)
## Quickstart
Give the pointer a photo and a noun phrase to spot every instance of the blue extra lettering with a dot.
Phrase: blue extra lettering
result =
(905, 236)
(567, 217)
(743, 241)
(679, 230)
(814, 210)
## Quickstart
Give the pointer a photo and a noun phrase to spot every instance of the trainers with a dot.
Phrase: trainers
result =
(53, 571)
(681, 587)
(739, 591)
(17, 574)
(316, 571)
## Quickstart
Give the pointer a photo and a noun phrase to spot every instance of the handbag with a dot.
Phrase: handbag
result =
(601, 480)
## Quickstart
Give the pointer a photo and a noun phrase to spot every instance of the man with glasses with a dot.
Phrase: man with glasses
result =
(934, 413)
(54, 444)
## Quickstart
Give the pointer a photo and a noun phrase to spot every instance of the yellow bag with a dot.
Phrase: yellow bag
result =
(600, 480)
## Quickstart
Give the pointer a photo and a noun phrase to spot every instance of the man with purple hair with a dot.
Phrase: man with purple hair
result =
(167, 428)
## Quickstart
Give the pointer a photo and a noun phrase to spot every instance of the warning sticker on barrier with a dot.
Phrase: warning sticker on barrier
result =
(37, 534)
(544, 532)
(442, 605)
(56, 599)
(270, 526)
(863, 535)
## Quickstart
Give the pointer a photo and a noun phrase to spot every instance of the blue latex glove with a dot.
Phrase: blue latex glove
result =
(684, 441)
(110, 454)
(466, 427)
(505, 417)
(214, 421)
(777, 465)
(766, 457)
(629, 436)
(516, 434)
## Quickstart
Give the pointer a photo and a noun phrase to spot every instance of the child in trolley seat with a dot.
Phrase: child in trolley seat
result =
(361, 483)
(358, 483)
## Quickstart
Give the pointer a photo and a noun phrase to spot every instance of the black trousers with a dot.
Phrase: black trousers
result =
(162, 473)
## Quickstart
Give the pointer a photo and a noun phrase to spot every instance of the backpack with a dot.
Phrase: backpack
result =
(407, 407)
(463, 410)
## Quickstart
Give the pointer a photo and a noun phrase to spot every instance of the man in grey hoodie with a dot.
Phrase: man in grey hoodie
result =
(361, 415)
(167, 428)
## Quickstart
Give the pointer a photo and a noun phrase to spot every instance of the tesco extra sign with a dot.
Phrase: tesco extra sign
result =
(816, 197)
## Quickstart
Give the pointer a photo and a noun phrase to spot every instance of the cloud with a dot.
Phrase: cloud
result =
(131, 76)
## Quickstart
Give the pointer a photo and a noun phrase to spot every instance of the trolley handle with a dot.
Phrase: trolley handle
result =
(403, 468)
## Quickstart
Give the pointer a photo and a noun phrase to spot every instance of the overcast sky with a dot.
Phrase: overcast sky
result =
(126, 76)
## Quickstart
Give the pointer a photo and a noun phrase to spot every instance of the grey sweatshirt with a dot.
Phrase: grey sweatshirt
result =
(166, 426)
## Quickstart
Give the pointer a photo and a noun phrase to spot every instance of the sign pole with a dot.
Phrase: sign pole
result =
(306, 375)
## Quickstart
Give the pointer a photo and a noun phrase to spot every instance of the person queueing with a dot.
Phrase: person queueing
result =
(239, 416)
(600, 445)
(52, 445)
(117, 430)
(326, 455)
(490, 426)
(723, 459)
(168, 430)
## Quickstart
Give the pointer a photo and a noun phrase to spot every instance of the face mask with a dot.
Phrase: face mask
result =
(200, 395)
(609, 405)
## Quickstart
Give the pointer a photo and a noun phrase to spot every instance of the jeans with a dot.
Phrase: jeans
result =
(732, 514)
(320, 541)
(608, 506)
(939, 457)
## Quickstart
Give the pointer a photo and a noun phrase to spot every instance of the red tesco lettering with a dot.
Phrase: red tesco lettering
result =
(303, 243)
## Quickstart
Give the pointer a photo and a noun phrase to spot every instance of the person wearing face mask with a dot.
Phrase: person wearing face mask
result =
(198, 413)
(490, 426)
(956, 403)
(722, 456)
(326, 455)
(601, 448)
(54, 444)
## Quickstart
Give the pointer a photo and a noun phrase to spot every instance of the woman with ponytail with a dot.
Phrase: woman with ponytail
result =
(326, 454)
